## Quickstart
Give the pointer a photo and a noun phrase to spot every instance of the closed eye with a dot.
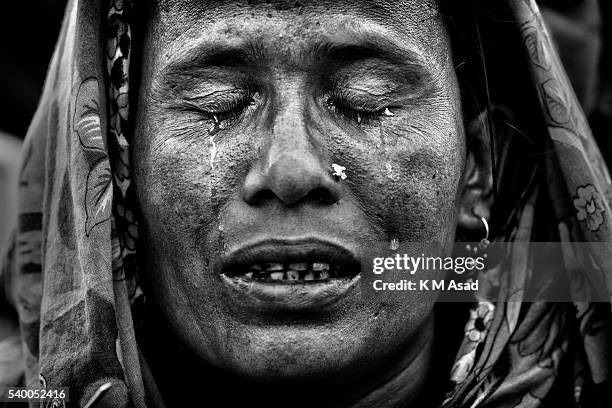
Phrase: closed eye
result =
(363, 115)
(222, 109)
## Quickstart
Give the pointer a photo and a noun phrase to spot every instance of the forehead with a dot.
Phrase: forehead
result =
(179, 25)
(388, 7)
(388, 10)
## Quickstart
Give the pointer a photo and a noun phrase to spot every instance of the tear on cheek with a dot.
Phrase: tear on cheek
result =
(391, 173)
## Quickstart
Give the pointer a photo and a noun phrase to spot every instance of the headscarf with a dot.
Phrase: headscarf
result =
(72, 274)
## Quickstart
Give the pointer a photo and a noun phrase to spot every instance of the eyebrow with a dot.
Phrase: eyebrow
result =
(364, 46)
(353, 46)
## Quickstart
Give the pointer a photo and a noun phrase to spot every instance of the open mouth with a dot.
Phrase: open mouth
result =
(290, 274)
(297, 261)
(297, 272)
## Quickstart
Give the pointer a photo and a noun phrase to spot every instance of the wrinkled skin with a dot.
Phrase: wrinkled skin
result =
(286, 94)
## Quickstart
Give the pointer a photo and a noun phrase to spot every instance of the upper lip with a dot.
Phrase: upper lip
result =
(288, 251)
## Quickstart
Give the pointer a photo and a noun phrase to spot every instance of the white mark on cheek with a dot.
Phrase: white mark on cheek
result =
(214, 129)
(213, 151)
(392, 172)
(339, 171)
(388, 113)
(381, 138)
(389, 170)
(394, 244)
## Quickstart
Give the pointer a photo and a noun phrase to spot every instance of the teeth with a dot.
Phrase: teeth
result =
(276, 275)
(260, 275)
(275, 271)
(299, 266)
(274, 267)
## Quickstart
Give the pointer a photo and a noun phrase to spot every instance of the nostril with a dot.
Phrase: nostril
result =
(261, 196)
(321, 195)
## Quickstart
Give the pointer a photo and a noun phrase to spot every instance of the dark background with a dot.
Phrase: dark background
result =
(28, 32)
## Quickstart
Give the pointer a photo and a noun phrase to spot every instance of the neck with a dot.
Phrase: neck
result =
(399, 382)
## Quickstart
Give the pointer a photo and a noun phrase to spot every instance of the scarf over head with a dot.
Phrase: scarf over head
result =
(71, 273)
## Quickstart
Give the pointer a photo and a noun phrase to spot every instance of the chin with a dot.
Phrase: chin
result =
(334, 348)
(297, 356)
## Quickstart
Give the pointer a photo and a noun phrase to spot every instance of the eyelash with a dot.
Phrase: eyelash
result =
(361, 117)
(229, 115)
(230, 111)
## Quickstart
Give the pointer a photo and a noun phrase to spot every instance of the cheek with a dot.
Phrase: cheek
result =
(421, 191)
(409, 184)
(174, 186)
(184, 177)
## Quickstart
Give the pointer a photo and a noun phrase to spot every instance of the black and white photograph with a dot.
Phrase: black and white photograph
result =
(306, 203)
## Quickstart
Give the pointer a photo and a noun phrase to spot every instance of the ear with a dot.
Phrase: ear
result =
(476, 196)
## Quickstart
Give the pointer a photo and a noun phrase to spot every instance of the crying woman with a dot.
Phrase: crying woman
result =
(200, 177)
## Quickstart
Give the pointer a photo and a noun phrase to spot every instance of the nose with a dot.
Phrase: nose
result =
(292, 179)
(291, 168)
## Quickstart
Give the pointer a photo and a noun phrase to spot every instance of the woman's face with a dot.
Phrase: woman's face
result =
(243, 110)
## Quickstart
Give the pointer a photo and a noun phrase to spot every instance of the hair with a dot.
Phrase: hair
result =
(494, 78)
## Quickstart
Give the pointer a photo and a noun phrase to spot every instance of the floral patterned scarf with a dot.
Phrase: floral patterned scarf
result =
(71, 273)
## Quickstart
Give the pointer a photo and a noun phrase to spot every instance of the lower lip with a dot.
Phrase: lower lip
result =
(290, 296)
